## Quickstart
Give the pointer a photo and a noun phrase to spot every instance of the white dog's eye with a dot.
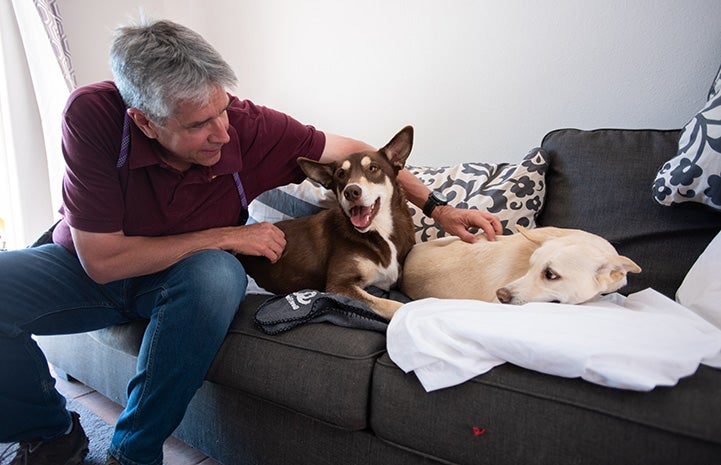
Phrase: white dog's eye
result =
(550, 275)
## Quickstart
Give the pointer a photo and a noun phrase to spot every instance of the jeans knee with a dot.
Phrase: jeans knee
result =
(215, 280)
(218, 269)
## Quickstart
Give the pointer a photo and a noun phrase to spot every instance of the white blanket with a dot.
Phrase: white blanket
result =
(637, 343)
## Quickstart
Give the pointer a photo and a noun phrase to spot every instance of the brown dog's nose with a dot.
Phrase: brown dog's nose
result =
(352, 192)
(504, 295)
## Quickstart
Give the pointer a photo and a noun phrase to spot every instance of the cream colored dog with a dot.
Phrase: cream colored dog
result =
(536, 265)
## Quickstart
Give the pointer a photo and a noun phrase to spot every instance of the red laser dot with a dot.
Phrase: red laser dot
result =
(478, 431)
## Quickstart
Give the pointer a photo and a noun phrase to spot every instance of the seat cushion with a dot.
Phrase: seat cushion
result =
(125, 338)
(601, 181)
(513, 415)
(320, 370)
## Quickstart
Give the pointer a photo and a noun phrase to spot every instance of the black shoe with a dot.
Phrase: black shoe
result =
(70, 449)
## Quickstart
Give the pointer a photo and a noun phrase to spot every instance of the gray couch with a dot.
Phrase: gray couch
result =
(324, 394)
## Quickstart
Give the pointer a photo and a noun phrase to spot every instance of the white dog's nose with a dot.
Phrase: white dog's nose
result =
(504, 295)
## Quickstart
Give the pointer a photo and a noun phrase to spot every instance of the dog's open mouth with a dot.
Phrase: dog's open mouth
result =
(362, 216)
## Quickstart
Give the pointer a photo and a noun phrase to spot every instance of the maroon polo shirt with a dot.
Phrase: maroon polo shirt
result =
(146, 197)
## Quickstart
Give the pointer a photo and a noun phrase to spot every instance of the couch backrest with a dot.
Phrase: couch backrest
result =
(600, 181)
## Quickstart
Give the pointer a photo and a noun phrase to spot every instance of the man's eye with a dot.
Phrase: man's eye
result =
(196, 126)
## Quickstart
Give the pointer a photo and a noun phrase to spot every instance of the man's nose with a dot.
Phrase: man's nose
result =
(219, 134)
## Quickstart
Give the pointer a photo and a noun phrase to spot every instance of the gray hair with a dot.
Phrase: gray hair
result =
(156, 65)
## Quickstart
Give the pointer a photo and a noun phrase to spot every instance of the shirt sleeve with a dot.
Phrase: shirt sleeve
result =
(91, 133)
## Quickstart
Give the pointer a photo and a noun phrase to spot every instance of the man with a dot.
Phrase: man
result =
(161, 164)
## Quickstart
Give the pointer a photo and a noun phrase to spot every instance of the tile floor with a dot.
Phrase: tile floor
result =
(175, 452)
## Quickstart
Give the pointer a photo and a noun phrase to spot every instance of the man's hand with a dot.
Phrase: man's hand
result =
(458, 221)
(260, 239)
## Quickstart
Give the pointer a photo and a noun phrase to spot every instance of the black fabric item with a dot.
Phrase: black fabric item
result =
(284, 312)
(600, 181)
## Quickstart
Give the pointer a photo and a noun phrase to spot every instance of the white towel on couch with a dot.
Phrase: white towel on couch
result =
(638, 342)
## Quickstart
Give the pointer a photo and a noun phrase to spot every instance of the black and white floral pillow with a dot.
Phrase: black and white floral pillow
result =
(694, 174)
(513, 192)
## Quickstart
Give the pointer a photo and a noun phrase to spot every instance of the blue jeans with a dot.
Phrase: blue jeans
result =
(45, 290)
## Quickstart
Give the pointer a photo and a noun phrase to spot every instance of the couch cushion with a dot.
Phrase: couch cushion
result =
(125, 338)
(600, 181)
(513, 415)
(320, 370)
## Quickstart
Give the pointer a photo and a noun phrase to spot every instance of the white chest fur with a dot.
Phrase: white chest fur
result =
(383, 277)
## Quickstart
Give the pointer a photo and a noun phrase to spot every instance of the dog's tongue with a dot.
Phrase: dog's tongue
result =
(361, 216)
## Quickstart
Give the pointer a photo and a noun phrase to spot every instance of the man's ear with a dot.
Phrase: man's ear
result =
(143, 122)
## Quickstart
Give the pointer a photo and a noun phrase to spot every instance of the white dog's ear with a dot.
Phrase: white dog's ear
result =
(539, 235)
(530, 235)
(616, 269)
(546, 233)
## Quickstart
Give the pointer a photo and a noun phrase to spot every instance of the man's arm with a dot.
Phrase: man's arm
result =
(456, 221)
(109, 257)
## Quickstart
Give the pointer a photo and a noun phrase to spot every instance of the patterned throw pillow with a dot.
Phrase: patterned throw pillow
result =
(513, 192)
(716, 86)
(694, 174)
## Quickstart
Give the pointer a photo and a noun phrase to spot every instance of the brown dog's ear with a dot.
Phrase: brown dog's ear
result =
(398, 149)
(319, 172)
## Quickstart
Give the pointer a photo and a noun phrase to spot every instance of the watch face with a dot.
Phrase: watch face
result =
(439, 197)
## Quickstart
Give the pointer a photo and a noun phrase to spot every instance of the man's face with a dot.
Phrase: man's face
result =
(195, 133)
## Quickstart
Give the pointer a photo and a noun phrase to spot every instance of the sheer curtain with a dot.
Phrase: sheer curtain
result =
(36, 78)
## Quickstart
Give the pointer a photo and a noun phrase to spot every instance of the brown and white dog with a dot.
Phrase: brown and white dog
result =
(535, 265)
(362, 242)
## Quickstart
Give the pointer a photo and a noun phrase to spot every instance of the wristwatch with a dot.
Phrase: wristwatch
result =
(435, 199)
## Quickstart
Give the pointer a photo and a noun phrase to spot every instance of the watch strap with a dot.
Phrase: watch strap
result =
(432, 202)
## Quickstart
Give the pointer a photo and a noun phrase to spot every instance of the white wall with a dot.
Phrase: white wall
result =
(479, 80)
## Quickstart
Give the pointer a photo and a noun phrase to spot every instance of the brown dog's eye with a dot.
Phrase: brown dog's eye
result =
(550, 275)
(340, 174)
(373, 168)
